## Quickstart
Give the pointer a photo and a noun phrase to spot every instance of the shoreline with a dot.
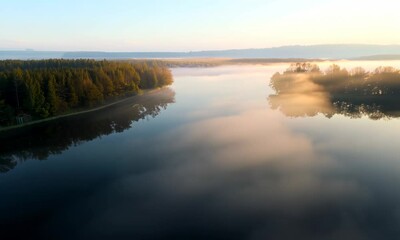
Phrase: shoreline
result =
(143, 92)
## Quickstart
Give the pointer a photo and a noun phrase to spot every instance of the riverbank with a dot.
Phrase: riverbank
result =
(106, 105)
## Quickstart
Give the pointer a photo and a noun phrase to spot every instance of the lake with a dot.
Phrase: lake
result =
(207, 158)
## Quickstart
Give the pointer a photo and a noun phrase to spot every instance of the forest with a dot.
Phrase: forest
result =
(337, 80)
(45, 88)
(305, 90)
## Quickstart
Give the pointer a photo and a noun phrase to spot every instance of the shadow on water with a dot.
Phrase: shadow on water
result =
(304, 90)
(42, 140)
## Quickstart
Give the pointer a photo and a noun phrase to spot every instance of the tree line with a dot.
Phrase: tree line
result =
(383, 81)
(353, 93)
(45, 88)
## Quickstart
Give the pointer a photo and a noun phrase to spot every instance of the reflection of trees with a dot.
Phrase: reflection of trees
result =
(53, 137)
(303, 90)
(7, 164)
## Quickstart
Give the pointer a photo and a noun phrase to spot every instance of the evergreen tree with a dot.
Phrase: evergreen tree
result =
(49, 87)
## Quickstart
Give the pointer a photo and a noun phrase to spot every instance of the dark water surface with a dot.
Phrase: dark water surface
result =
(208, 158)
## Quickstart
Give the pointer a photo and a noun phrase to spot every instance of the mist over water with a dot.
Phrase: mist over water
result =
(211, 158)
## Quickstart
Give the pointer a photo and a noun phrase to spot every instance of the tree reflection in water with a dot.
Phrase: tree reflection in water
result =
(39, 141)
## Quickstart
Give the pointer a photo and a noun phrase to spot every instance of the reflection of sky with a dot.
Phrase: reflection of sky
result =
(219, 163)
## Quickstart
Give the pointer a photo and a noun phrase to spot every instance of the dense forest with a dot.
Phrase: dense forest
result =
(44, 88)
(303, 89)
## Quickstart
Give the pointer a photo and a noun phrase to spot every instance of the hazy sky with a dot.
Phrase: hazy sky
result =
(185, 25)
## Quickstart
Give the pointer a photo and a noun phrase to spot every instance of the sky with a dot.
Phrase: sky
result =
(192, 25)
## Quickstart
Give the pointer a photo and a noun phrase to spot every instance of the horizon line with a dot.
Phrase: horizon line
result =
(213, 50)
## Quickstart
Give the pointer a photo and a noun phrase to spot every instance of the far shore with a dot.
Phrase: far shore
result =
(143, 92)
(216, 61)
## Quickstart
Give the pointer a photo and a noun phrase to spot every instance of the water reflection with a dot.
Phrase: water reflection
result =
(226, 181)
(41, 140)
(303, 90)
(218, 164)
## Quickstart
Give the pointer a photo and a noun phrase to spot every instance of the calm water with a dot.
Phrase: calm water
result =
(207, 158)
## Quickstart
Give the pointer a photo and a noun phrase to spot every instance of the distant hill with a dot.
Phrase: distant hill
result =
(29, 54)
(380, 57)
(342, 51)
(330, 51)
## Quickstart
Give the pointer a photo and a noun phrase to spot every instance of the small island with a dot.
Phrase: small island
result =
(34, 90)
(304, 90)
